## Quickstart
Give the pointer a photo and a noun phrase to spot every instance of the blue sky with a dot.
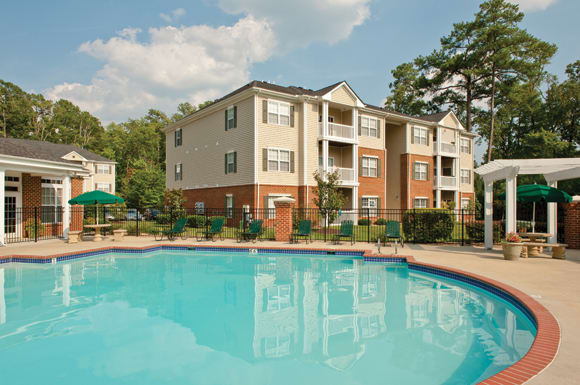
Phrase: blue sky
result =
(116, 59)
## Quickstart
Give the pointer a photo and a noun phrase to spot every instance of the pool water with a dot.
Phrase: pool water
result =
(190, 317)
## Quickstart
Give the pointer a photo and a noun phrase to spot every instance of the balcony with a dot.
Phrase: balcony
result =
(445, 149)
(337, 131)
(345, 175)
(446, 181)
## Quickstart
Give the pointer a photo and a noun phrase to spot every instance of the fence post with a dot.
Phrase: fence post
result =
(36, 224)
(325, 224)
(137, 222)
(414, 225)
(369, 225)
(462, 227)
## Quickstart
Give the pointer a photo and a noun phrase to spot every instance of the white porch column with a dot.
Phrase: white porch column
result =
(66, 196)
(2, 208)
(324, 135)
(438, 176)
(488, 215)
(553, 217)
(510, 203)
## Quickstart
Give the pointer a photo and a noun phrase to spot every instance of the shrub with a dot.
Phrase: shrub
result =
(196, 221)
(211, 219)
(364, 222)
(381, 222)
(476, 231)
(428, 225)
(163, 219)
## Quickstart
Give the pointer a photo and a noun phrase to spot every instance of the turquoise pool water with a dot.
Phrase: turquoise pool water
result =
(191, 317)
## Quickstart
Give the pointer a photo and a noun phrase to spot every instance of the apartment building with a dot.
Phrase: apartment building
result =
(264, 141)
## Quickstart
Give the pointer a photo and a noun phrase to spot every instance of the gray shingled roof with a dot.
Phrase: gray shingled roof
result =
(36, 149)
(434, 117)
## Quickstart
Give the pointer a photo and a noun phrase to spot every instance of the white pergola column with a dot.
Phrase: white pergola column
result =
(510, 203)
(2, 204)
(66, 196)
(488, 215)
(324, 135)
(553, 217)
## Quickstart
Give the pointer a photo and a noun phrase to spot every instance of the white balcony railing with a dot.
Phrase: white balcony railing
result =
(338, 130)
(344, 174)
(446, 181)
(449, 148)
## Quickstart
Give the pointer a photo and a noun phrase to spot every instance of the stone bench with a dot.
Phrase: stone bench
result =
(119, 234)
(558, 249)
(75, 236)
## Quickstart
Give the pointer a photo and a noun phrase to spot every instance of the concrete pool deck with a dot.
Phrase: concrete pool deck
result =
(554, 283)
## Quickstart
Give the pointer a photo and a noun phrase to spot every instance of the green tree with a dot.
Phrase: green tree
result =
(563, 106)
(407, 94)
(146, 186)
(327, 196)
(174, 199)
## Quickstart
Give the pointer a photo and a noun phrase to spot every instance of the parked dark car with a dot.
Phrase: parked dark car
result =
(151, 214)
(132, 215)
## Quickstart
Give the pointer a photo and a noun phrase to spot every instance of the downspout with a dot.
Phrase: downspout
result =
(256, 183)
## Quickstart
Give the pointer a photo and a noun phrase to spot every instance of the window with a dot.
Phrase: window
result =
(420, 203)
(178, 137)
(465, 202)
(277, 298)
(178, 171)
(51, 200)
(11, 179)
(230, 118)
(230, 206)
(279, 113)
(270, 206)
(330, 162)
(421, 171)
(369, 166)
(106, 187)
(465, 176)
(278, 160)
(230, 162)
(420, 135)
(369, 126)
(199, 208)
(466, 146)
(103, 169)
(371, 203)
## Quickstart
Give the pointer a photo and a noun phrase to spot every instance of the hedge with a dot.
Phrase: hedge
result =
(428, 225)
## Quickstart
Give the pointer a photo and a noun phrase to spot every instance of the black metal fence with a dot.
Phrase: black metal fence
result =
(416, 225)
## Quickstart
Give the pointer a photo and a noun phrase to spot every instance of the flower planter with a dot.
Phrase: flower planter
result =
(511, 251)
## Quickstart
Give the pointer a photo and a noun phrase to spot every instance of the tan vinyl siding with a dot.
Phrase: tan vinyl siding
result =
(420, 149)
(395, 142)
(339, 116)
(449, 121)
(278, 136)
(447, 135)
(343, 96)
(466, 161)
(205, 143)
(94, 178)
(369, 141)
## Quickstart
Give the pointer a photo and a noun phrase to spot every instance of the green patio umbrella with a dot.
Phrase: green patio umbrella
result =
(96, 197)
(539, 193)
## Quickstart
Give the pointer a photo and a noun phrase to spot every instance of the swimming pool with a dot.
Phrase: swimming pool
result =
(213, 317)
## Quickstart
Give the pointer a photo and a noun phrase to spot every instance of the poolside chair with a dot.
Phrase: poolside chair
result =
(177, 230)
(346, 231)
(304, 230)
(393, 231)
(253, 232)
(216, 228)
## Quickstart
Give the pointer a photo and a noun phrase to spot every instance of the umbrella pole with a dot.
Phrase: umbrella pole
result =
(97, 213)
(534, 218)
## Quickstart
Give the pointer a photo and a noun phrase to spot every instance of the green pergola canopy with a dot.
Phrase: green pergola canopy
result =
(96, 197)
(539, 193)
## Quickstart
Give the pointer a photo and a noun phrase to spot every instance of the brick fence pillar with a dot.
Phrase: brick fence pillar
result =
(284, 208)
(572, 224)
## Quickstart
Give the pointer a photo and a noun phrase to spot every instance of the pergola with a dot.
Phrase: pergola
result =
(553, 170)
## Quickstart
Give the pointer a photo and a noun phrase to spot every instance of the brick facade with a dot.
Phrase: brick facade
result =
(31, 191)
(572, 222)
(284, 220)
(76, 215)
(464, 195)
(410, 188)
(370, 186)
(214, 197)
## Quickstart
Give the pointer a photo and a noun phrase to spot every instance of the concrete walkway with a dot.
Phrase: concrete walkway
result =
(554, 283)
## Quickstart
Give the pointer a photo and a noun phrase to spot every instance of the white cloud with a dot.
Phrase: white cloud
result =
(533, 5)
(194, 63)
(299, 23)
(173, 15)
(197, 63)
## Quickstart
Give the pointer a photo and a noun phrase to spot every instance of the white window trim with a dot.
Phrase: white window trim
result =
(426, 170)
(362, 129)
(278, 159)
(58, 188)
(229, 209)
(421, 198)
(231, 118)
(180, 130)
(465, 200)
(103, 184)
(461, 146)
(279, 103)
(374, 210)
(233, 163)
(100, 166)
(370, 168)
(180, 171)
(461, 175)
(421, 129)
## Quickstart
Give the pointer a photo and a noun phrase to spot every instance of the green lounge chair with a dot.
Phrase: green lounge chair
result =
(216, 228)
(177, 230)
(393, 231)
(253, 232)
(304, 230)
(346, 231)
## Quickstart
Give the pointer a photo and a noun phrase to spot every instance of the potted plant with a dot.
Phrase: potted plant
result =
(512, 247)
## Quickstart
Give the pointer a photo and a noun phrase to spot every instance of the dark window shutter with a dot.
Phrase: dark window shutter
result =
(427, 137)
(379, 203)
(265, 159)
(264, 111)
(378, 168)
(414, 165)
(226, 118)
(236, 161)
(226, 163)
(428, 171)
(291, 161)
(233, 204)
(359, 125)
(291, 116)
(264, 299)
(378, 128)
(226, 204)
(412, 135)
(360, 166)
(235, 116)
(174, 138)
(360, 204)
